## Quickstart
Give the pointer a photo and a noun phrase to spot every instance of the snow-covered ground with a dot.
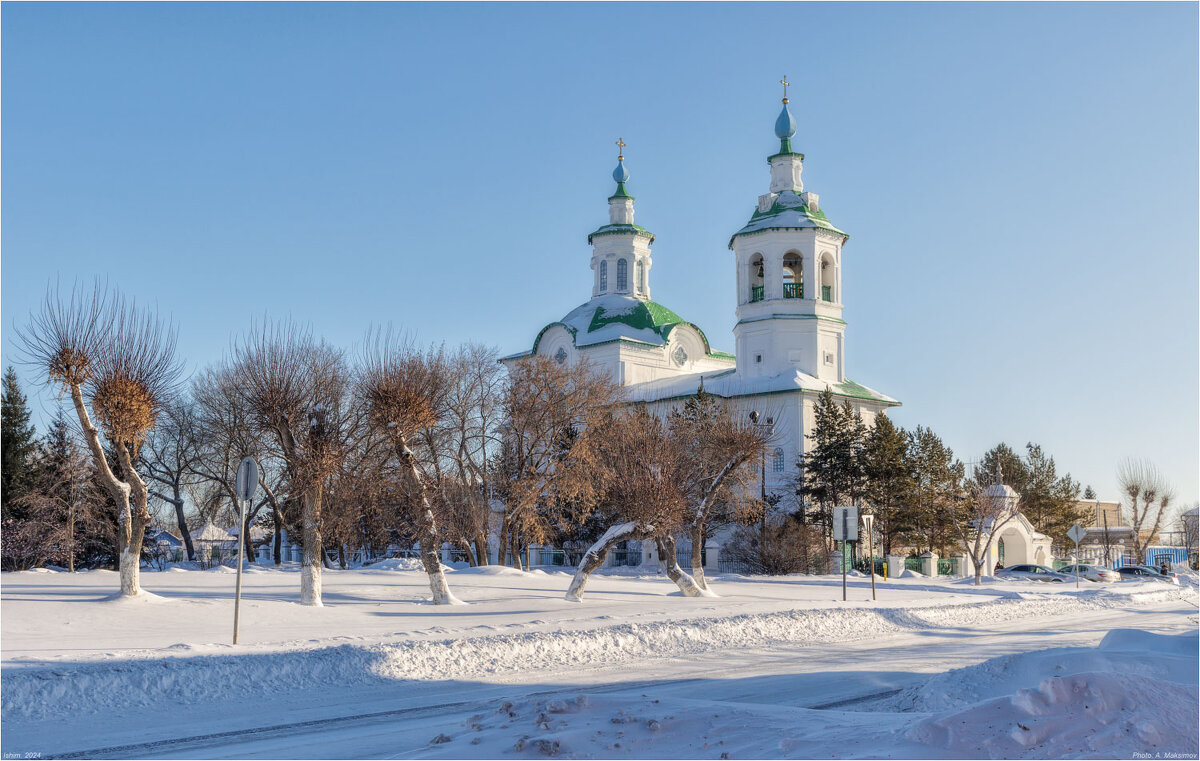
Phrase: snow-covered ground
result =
(774, 667)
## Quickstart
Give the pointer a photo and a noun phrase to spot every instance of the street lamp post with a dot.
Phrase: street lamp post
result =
(770, 426)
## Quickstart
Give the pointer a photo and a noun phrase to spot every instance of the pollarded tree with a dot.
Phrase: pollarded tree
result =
(404, 391)
(1149, 494)
(297, 390)
(117, 362)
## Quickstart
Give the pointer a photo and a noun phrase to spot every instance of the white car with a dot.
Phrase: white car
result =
(1091, 572)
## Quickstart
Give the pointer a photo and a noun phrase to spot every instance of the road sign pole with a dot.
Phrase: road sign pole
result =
(1076, 558)
(1076, 534)
(871, 556)
(845, 542)
(237, 595)
(246, 485)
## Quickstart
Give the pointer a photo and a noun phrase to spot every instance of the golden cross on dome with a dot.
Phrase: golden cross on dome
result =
(785, 84)
(620, 149)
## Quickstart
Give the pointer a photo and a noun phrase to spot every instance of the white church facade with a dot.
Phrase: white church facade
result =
(790, 335)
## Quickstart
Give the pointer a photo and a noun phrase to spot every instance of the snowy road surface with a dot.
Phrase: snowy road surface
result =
(773, 668)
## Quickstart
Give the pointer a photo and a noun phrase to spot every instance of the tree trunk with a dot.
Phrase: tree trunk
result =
(181, 522)
(481, 549)
(117, 489)
(670, 563)
(310, 563)
(502, 545)
(594, 557)
(425, 524)
(698, 554)
(134, 518)
(277, 548)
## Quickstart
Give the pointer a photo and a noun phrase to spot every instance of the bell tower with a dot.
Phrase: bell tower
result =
(621, 250)
(789, 275)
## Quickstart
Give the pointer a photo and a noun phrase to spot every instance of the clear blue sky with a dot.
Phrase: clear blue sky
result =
(1019, 182)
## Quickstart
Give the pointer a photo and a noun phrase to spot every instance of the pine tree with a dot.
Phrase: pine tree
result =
(16, 441)
(832, 471)
(938, 487)
(889, 475)
(1089, 492)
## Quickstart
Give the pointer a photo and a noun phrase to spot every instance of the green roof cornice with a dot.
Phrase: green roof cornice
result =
(788, 152)
(622, 230)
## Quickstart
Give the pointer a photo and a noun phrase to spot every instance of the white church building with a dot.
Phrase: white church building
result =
(790, 336)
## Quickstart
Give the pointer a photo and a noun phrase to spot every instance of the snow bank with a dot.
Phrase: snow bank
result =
(399, 564)
(1085, 715)
(1136, 692)
(41, 692)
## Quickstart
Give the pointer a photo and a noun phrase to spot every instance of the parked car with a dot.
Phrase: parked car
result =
(1031, 572)
(1091, 572)
(1145, 573)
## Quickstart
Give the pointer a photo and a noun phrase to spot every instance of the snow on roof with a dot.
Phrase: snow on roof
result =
(727, 383)
(788, 211)
(618, 318)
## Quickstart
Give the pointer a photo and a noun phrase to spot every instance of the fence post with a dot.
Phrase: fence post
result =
(929, 562)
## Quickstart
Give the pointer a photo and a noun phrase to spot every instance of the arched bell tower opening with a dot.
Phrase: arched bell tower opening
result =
(793, 276)
(756, 278)
(828, 279)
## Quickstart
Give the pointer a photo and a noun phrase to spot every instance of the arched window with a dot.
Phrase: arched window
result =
(777, 460)
(603, 276)
(755, 277)
(793, 277)
(828, 279)
(641, 277)
(622, 275)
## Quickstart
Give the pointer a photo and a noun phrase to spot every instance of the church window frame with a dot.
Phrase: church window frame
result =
(641, 276)
(622, 275)
(603, 275)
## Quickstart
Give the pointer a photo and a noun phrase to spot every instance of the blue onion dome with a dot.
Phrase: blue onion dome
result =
(620, 174)
(785, 125)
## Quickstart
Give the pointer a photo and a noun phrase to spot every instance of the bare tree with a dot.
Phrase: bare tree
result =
(404, 392)
(545, 405)
(630, 468)
(979, 515)
(119, 360)
(297, 391)
(170, 456)
(718, 449)
(1149, 495)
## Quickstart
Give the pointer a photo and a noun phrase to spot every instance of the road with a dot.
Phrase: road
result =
(400, 721)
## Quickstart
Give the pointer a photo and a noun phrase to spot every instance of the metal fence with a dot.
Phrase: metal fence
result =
(912, 564)
(625, 557)
(733, 566)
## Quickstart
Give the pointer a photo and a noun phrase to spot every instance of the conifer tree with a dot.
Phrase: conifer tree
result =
(18, 442)
(832, 470)
(889, 477)
(937, 488)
